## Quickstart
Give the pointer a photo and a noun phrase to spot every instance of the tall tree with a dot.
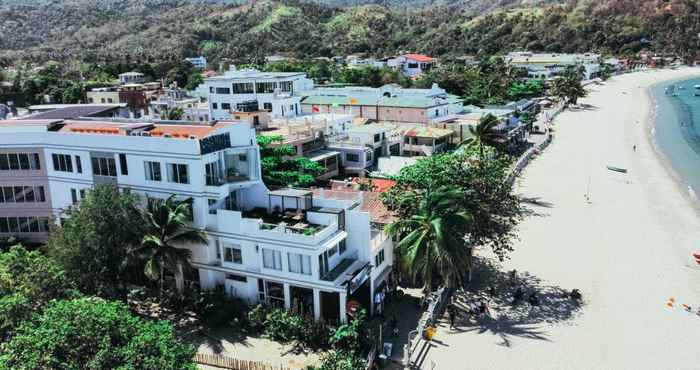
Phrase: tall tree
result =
(568, 87)
(93, 242)
(166, 233)
(483, 134)
(432, 242)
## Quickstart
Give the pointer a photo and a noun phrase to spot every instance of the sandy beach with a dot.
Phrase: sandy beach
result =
(628, 251)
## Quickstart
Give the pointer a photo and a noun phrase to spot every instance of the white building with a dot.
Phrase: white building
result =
(547, 65)
(302, 250)
(199, 62)
(275, 92)
(132, 78)
(412, 65)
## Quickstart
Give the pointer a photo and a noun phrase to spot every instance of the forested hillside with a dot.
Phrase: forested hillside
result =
(109, 30)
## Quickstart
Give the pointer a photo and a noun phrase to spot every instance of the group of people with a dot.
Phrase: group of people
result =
(479, 309)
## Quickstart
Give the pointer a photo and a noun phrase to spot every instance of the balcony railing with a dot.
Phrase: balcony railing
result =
(223, 180)
(342, 266)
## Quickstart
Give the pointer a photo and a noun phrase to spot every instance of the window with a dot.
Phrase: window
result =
(272, 259)
(19, 161)
(287, 86)
(267, 107)
(377, 138)
(152, 171)
(225, 106)
(82, 193)
(412, 65)
(109, 100)
(342, 246)
(178, 173)
(352, 157)
(233, 255)
(211, 89)
(243, 88)
(299, 264)
(265, 87)
(74, 195)
(331, 252)
(78, 164)
(28, 224)
(223, 90)
(240, 278)
(122, 164)
(214, 106)
(9, 194)
(19, 194)
(379, 258)
(61, 162)
(104, 166)
(212, 206)
(212, 173)
(218, 250)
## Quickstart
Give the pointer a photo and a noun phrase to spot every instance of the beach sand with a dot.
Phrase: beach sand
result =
(628, 251)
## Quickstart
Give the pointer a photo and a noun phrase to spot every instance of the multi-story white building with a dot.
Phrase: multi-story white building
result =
(199, 62)
(547, 65)
(275, 92)
(302, 250)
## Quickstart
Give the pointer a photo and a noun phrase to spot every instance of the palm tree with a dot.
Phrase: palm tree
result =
(484, 133)
(432, 240)
(166, 227)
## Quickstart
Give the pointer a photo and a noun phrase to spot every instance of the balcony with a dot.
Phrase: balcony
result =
(342, 269)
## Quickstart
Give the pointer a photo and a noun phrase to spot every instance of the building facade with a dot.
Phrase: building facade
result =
(296, 249)
(275, 92)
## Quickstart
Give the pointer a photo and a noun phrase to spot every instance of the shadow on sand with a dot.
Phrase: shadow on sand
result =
(507, 319)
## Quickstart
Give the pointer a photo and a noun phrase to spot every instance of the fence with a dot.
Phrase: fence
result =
(233, 363)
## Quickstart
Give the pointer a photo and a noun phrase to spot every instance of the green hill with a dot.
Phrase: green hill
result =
(147, 29)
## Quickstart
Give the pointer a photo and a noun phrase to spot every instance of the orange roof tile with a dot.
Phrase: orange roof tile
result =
(419, 58)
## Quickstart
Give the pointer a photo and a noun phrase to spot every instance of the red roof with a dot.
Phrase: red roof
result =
(419, 58)
(378, 185)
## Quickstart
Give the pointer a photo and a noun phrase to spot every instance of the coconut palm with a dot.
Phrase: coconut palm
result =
(484, 133)
(432, 239)
(166, 228)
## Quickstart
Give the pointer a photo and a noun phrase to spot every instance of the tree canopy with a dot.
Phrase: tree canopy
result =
(281, 168)
(90, 333)
(93, 243)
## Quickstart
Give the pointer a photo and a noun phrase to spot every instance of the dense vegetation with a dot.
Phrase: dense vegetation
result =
(145, 31)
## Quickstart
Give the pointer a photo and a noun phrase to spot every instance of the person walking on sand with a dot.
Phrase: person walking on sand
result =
(634, 148)
(451, 312)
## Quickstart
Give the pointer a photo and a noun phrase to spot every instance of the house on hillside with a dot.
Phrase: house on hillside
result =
(412, 65)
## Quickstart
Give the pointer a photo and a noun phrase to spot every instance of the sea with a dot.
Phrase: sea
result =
(676, 130)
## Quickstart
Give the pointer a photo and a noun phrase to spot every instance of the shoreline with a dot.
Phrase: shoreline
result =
(652, 122)
(627, 250)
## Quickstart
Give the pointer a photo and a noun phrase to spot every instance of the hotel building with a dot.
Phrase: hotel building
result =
(316, 252)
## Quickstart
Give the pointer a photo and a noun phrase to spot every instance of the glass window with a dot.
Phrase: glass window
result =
(240, 278)
(74, 196)
(62, 162)
(14, 225)
(24, 224)
(243, 88)
(233, 255)
(78, 164)
(379, 258)
(14, 161)
(352, 157)
(331, 252)
(122, 164)
(152, 171)
(223, 90)
(19, 194)
(29, 194)
(24, 161)
(4, 227)
(4, 162)
(33, 225)
(342, 246)
(9, 194)
(214, 106)
(267, 107)
(272, 259)
(177, 173)
(104, 166)
(265, 87)
(225, 106)
(299, 264)
(41, 196)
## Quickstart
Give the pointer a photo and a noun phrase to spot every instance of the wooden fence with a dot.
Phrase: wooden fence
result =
(233, 363)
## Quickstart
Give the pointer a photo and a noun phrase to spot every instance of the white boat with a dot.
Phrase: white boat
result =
(697, 87)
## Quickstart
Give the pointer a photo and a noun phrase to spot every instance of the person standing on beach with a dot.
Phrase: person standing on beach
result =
(634, 148)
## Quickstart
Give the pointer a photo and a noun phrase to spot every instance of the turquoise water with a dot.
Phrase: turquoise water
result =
(677, 131)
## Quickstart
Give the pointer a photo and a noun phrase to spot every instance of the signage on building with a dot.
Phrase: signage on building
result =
(215, 143)
(359, 278)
